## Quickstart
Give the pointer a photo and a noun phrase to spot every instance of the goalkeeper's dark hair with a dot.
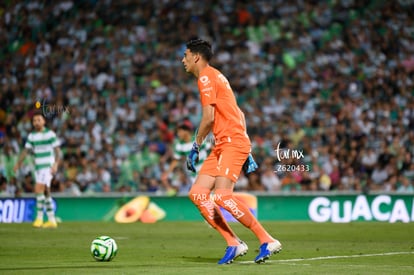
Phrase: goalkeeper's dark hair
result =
(201, 47)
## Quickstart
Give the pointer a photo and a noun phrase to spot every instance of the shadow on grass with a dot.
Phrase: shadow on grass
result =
(67, 267)
(199, 259)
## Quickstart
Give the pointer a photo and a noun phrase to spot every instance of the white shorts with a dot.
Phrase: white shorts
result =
(44, 176)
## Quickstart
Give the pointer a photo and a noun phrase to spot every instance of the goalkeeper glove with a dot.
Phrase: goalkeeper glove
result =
(192, 158)
(249, 165)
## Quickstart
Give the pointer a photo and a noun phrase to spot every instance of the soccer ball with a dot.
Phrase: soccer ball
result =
(104, 248)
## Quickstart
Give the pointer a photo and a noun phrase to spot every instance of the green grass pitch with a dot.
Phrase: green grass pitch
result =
(194, 248)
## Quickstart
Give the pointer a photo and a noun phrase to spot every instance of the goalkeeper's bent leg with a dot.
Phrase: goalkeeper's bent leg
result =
(225, 198)
(201, 198)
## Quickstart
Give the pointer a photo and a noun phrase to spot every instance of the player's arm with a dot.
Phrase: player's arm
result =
(243, 119)
(22, 155)
(206, 124)
(173, 164)
(171, 168)
(55, 165)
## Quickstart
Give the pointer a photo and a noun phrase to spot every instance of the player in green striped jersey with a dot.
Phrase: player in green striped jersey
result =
(181, 148)
(44, 145)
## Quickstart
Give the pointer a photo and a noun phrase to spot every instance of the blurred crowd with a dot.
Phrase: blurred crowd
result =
(329, 83)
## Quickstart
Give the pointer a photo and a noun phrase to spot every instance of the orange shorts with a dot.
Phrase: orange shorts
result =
(225, 160)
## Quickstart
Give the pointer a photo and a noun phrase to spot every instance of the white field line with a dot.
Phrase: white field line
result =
(120, 238)
(333, 257)
(346, 265)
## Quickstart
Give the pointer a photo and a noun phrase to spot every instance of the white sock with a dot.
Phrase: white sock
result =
(40, 204)
(49, 210)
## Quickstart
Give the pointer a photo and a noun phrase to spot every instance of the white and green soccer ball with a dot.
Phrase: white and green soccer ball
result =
(104, 249)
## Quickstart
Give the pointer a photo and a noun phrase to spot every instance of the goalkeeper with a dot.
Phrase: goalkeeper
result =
(231, 154)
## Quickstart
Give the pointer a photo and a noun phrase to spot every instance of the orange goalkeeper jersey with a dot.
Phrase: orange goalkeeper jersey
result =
(215, 90)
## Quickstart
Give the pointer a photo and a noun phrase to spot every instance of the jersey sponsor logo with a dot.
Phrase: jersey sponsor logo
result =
(232, 207)
(209, 205)
(206, 91)
(204, 80)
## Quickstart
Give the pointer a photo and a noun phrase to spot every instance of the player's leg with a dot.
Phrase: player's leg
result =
(231, 162)
(224, 197)
(200, 196)
(45, 179)
(40, 203)
(51, 220)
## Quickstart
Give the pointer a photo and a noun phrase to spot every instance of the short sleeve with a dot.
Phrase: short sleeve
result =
(177, 154)
(207, 88)
(55, 140)
(28, 144)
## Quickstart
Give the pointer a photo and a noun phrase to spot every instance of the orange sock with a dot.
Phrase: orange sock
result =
(212, 214)
(225, 198)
